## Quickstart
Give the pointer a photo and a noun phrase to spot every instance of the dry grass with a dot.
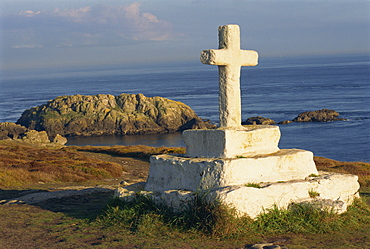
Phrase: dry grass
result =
(53, 225)
(142, 151)
(361, 169)
(22, 165)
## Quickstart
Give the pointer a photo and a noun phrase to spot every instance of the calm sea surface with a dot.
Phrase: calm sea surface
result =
(278, 88)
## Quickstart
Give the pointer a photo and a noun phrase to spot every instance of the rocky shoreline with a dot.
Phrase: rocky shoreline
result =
(125, 114)
(20, 133)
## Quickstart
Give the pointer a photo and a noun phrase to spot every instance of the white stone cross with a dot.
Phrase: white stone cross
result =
(229, 58)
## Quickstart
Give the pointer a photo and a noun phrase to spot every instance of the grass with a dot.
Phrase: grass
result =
(141, 151)
(23, 165)
(142, 216)
(313, 175)
(253, 185)
(313, 193)
(144, 224)
(361, 169)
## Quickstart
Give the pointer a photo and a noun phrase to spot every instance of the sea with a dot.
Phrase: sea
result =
(278, 88)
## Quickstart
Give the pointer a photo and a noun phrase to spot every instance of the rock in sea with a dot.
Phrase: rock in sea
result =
(258, 121)
(105, 114)
(323, 115)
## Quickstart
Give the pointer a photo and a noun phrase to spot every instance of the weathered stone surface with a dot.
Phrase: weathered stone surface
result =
(10, 130)
(58, 139)
(168, 172)
(246, 141)
(128, 193)
(263, 246)
(17, 132)
(36, 137)
(323, 115)
(258, 121)
(104, 114)
(336, 191)
(252, 201)
(229, 58)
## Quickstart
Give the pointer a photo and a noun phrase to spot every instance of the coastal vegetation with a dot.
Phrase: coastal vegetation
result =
(100, 221)
(22, 165)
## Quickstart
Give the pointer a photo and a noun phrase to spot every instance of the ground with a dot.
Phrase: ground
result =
(66, 222)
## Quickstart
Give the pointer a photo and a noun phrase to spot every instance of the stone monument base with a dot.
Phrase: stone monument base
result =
(246, 140)
(245, 169)
(179, 172)
(328, 190)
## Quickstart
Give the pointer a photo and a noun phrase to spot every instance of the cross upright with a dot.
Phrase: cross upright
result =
(229, 58)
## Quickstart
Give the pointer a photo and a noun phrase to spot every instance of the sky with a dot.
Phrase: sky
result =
(70, 33)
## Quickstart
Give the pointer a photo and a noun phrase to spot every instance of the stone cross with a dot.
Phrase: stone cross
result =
(229, 58)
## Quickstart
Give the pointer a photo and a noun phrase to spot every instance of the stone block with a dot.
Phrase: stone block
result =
(334, 190)
(342, 188)
(249, 140)
(176, 172)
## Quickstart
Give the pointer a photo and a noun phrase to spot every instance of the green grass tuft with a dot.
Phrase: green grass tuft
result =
(313, 175)
(253, 185)
(313, 193)
(143, 216)
(298, 218)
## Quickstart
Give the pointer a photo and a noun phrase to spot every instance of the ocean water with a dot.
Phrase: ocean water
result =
(278, 88)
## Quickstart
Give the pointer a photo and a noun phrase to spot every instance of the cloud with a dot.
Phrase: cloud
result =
(28, 13)
(28, 46)
(77, 15)
(98, 25)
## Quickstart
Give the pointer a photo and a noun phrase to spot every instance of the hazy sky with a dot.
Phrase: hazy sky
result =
(58, 33)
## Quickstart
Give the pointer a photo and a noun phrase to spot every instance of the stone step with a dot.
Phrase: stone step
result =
(328, 190)
(178, 172)
(249, 140)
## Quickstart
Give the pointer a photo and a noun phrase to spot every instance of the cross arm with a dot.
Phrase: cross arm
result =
(214, 57)
(224, 57)
(249, 58)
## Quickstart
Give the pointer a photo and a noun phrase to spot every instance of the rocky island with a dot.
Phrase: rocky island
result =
(105, 114)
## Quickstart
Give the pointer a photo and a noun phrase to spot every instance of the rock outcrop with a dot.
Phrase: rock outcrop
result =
(258, 121)
(104, 114)
(17, 132)
(10, 130)
(323, 115)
